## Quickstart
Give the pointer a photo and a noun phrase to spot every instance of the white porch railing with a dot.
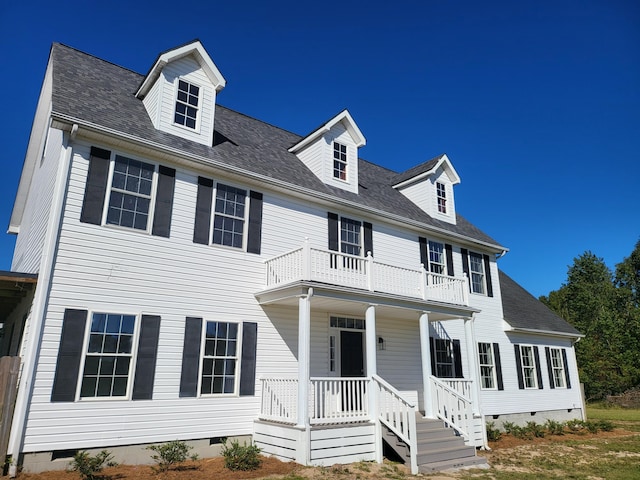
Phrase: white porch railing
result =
(460, 385)
(399, 416)
(331, 400)
(337, 268)
(452, 407)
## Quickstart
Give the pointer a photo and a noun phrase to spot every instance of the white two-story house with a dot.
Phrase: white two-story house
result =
(200, 274)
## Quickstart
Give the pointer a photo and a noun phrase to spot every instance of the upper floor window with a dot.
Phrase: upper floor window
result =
(220, 358)
(528, 365)
(487, 366)
(187, 101)
(108, 358)
(437, 262)
(557, 368)
(476, 268)
(442, 197)
(350, 236)
(339, 161)
(130, 196)
(229, 216)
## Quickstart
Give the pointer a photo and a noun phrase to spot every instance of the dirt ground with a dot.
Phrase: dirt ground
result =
(271, 468)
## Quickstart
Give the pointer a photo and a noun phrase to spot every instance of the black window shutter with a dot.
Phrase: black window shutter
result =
(70, 352)
(333, 231)
(164, 201)
(190, 357)
(147, 355)
(538, 367)
(254, 237)
(95, 189)
(248, 365)
(549, 367)
(566, 368)
(203, 211)
(519, 367)
(457, 359)
(432, 341)
(449, 251)
(368, 238)
(424, 252)
(465, 264)
(498, 362)
(487, 275)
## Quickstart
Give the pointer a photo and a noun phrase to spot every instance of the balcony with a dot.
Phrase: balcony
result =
(335, 268)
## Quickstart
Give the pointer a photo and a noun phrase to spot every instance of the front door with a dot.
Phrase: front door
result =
(351, 354)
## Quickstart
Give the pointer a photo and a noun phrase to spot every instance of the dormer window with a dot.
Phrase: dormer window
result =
(339, 161)
(187, 104)
(442, 197)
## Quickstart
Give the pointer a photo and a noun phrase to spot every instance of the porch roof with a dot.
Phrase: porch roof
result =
(14, 286)
(354, 301)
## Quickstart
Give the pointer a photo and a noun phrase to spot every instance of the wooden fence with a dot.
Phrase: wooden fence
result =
(9, 368)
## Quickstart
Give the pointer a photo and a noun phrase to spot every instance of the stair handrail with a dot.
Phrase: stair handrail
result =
(399, 415)
(451, 420)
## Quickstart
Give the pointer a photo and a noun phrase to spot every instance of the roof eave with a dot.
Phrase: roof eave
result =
(344, 117)
(546, 333)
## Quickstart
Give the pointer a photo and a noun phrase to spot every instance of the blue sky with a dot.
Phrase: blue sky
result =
(537, 103)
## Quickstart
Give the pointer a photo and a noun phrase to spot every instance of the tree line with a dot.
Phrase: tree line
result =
(605, 306)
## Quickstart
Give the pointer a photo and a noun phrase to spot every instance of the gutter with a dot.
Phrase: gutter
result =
(280, 185)
(38, 312)
(549, 333)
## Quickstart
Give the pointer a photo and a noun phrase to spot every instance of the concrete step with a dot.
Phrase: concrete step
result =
(455, 464)
(445, 453)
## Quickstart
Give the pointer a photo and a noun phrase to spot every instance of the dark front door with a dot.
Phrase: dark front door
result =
(351, 354)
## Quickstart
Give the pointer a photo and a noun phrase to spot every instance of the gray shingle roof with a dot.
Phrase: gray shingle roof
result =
(523, 310)
(93, 90)
(417, 170)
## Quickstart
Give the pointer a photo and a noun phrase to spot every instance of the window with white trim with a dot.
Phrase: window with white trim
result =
(441, 190)
(187, 100)
(444, 358)
(437, 259)
(130, 193)
(339, 161)
(558, 368)
(528, 362)
(350, 236)
(219, 358)
(229, 216)
(476, 268)
(108, 357)
(487, 366)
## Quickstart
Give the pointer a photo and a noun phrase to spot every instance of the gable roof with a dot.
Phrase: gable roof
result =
(100, 96)
(343, 117)
(525, 313)
(425, 169)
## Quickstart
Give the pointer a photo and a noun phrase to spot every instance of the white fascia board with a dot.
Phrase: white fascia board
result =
(344, 117)
(546, 333)
(202, 57)
(172, 154)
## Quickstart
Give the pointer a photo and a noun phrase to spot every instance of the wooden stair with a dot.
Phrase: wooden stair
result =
(439, 447)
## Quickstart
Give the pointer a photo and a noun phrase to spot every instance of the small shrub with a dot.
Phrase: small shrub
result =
(170, 454)
(509, 427)
(554, 428)
(493, 433)
(535, 429)
(592, 427)
(575, 425)
(605, 425)
(89, 467)
(241, 457)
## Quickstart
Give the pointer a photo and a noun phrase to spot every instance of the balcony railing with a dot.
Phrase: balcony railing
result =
(337, 268)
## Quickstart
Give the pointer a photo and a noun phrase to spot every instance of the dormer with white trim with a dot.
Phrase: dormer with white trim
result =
(430, 186)
(179, 92)
(331, 152)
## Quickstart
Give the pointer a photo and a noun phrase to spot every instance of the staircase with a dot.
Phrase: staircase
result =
(438, 447)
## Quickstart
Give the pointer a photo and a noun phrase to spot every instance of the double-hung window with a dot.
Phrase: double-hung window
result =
(109, 356)
(437, 262)
(558, 368)
(229, 216)
(487, 366)
(339, 161)
(131, 193)
(528, 365)
(476, 268)
(350, 236)
(444, 358)
(220, 358)
(187, 103)
(441, 191)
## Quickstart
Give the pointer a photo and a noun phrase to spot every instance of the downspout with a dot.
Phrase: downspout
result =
(32, 350)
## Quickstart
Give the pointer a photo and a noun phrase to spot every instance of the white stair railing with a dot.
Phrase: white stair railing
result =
(452, 407)
(399, 415)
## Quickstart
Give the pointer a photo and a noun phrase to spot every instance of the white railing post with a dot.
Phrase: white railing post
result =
(425, 356)
(370, 279)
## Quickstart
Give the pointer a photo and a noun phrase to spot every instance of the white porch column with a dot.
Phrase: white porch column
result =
(425, 350)
(372, 369)
(472, 363)
(304, 350)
